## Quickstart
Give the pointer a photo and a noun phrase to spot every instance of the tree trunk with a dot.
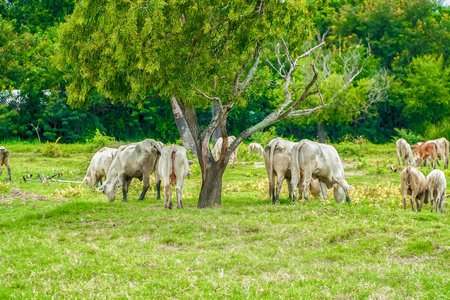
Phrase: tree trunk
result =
(211, 190)
(321, 133)
(216, 134)
(183, 129)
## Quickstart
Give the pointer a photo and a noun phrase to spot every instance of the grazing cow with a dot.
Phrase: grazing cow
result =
(442, 149)
(99, 166)
(136, 160)
(218, 148)
(4, 160)
(424, 152)
(414, 184)
(277, 158)
(404, 152)
(255, 147)
(316, 160)
(173, 166)
(436, 185)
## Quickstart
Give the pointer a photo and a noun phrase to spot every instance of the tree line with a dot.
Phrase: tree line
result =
(391, 57)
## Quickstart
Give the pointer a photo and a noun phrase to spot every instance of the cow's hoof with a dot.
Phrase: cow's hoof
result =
(140, 199)
(124, 200)
(180, 206)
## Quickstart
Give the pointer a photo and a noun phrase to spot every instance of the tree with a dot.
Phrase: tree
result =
(200, 53)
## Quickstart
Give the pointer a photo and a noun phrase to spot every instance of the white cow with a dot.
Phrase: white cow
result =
(277, 158)
(4, 160)
(413, 183)
(436, 185)
(404, 152)
(255, 147)
(136, 160)
(173, 168)
(320, 161)
(99, 166)
(218, 148)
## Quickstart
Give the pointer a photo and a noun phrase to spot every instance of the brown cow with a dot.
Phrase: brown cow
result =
(426, 151)
(414, 184)
(443, 149)
(4, 160)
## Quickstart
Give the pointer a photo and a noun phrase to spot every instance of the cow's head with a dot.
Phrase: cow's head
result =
(109, 188)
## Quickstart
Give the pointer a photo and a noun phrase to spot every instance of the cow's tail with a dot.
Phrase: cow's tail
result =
(172, 176)
(271, 168)
(408, 176)
(447, 145)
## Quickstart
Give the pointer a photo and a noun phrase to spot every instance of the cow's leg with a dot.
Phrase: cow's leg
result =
(280, 179)
(413, 199)
(272, 187)
(323, 190)
(432, 201)
(290, 189)
(305, 184)
(341, 182)
(158, 185)
(405, 194)
(180, 183)
(9, 169)
(146, 180)
(293, 185)
(422, 199)
(125, 185)
(168, 195)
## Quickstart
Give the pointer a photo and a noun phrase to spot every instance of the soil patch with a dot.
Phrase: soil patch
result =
(17, 193)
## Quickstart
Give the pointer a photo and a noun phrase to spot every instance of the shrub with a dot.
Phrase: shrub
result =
(435, 131)
(52, 149)
(100, 140)
(408, 135)
(264, 137)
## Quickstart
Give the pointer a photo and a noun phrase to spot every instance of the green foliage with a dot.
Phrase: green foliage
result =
(100, 140)
(264, 137)
(436, 131)
(52, 149)
(411, 137)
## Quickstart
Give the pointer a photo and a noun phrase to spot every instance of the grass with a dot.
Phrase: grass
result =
(72, 244)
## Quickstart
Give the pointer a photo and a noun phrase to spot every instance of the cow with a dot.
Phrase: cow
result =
(136, 160)
(4, 160)
(217, 149)
(413, 183)
(311, 159)
(277, 158)
(255, 147)
(425, 151)
(173, 167)
(436, 185)
(99, 166)
(442, 149)
(404, 152)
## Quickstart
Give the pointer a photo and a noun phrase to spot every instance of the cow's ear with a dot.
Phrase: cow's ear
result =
(190, 162)
(157, 148)
(101, 189)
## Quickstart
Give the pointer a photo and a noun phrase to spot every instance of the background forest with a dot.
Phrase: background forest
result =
(392, 57)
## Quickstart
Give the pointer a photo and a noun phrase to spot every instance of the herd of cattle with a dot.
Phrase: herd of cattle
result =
(305, 165)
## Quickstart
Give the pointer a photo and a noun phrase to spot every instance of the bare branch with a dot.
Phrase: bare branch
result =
(240, 72)
(304, 112)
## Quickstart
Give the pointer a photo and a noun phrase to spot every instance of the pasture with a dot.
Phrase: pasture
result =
(61, 240)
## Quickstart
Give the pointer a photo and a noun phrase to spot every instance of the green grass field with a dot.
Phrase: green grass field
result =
(64, 241)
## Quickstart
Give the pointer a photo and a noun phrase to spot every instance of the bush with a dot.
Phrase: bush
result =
(436, 131)
(347, 148)
(411, 137)
(264, 137)
(100, 140)
(52, 149)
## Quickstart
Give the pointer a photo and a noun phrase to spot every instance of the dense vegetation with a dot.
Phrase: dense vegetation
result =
(408, 43)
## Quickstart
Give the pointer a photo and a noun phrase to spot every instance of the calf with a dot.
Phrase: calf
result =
(426, 151)
(320, 161)
(4, 160)
(136, 160)
(404, 152)
(173, 168)
(442, 149)
(255, 147)
(277, 158)
(217, 149)
(99, 166)
(436, 185)
(413, 183)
